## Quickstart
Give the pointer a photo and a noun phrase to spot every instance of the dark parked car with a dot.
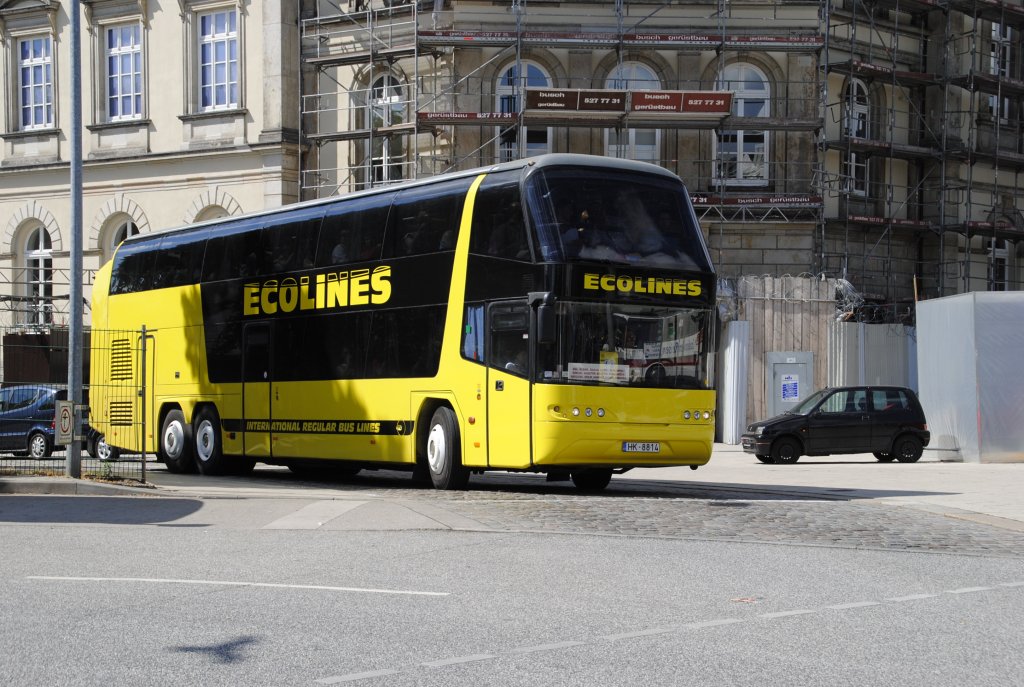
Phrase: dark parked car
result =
(27, 419)
(884, 420)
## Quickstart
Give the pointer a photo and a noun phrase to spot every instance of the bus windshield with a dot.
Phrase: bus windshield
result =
(607, 216)
(629, 345)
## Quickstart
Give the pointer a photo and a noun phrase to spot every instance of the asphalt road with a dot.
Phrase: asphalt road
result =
(279, 581)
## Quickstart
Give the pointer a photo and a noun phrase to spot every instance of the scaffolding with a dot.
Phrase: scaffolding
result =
(872, 143)
(926, 180)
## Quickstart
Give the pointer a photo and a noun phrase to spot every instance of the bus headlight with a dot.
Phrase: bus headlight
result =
(707, 415)
(686, 414)
(588, 412)
(600, 412)
(575, 412)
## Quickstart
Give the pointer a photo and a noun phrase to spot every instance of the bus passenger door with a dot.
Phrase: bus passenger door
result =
(508, 388)
(256, 380)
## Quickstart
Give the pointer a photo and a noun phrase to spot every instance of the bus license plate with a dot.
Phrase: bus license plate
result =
(641, 447)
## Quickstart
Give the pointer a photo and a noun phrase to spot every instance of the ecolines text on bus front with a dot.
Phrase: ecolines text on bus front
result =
(653, 285)
(325, 291)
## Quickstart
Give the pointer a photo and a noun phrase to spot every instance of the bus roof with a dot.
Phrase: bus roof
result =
(533, 163)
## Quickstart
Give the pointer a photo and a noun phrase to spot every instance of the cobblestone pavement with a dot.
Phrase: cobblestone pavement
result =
(694, 512)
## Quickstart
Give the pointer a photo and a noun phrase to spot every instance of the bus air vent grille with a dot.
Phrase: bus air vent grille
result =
(121, 413)
(120, 360)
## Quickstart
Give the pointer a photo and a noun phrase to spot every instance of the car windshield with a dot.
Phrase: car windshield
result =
(805, 406)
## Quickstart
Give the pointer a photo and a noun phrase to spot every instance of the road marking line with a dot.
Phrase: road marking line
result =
(855, 604)
(461, 659)
(638, 633)
(786, 614)
(623, 635)
(543, 647)
(713, 623)
(356, 676)
(313, 515)
(227, 583)
(912, 597)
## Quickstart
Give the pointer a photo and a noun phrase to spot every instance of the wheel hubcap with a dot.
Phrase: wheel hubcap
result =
(103, 450)
(38, 447)
(436, 449)
(205, 441)
(174, 437)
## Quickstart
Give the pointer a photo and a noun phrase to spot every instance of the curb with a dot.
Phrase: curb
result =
(67, 486)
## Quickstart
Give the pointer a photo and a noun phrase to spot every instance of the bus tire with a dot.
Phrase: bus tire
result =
(209, 449)
(444, 452)
(99, 449)
(175, 449)
(592, 479)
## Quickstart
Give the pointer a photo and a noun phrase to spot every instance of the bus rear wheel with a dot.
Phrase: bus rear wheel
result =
(444, 454)
(208, 447)
(175, 450)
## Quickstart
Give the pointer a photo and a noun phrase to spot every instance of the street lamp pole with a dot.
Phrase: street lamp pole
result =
(74, 455)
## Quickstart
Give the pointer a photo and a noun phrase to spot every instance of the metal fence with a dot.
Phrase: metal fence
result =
(34, 375)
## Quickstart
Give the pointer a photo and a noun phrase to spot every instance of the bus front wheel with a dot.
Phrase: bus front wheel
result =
(444, 454)
(208, 447)
(175, 450)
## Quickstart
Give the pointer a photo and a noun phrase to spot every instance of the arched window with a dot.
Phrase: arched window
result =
(856, 124)
(508, 91)
(387, 109)
(211, 212)
(741, 156)
(123, 228)
(635, 144)
(38, 279)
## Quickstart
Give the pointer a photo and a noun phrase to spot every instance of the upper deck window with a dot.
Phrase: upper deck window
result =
(603, 216)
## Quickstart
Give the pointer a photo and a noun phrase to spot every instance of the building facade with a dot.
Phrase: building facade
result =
(875, 143)
(189, 112)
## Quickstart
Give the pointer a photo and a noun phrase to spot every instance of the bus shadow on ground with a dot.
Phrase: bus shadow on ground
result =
(498, 483)
(97, 510)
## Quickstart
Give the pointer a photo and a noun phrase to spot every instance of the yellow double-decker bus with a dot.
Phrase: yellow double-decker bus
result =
(553, 315)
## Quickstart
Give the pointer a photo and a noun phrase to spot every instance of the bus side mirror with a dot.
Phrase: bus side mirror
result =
(544, 302)
(545, 324)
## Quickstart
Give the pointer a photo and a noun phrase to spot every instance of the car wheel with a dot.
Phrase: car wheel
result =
(175, 448)
(38, 446)
(592, 479)
(101, 450)
(908, 449)
(444, 453)
(785, 450)
(884, 457)
(208, 448)
(764, 458)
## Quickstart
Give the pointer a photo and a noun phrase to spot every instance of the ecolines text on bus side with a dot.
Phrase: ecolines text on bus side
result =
(651, 285)
(325, 291)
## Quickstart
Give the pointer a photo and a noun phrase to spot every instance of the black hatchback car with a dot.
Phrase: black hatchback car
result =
(884, 420)
(26, 419)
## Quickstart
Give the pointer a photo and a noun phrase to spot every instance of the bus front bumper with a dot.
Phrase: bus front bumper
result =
(621, 444)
